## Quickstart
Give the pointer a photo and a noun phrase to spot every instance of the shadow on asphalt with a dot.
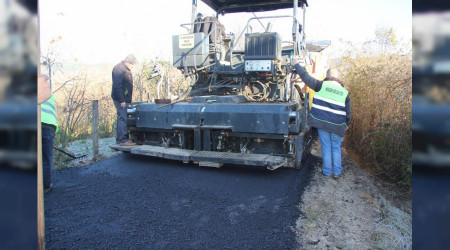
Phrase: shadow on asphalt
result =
(226, 168)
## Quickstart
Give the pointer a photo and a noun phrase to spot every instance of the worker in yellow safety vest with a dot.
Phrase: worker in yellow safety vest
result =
(49, 128)
(330, 114)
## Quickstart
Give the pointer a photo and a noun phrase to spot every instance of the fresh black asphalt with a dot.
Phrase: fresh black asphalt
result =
(431, 207)
(18, 208)
(131, 201)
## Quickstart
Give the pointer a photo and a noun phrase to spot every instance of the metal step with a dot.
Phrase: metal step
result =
(238, 158)
(122, 148)
(185, 155)
(210, 164)
(167, 153)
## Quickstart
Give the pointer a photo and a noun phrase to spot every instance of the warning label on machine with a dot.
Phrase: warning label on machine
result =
(186, 41)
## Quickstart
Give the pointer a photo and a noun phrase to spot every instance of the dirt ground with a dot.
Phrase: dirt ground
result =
(84, 148)
(354, 212)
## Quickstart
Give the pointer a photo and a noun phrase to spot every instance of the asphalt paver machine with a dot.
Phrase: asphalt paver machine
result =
(243, 106)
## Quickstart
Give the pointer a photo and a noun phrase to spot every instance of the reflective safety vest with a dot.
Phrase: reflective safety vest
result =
(328, 108)
(48, 112)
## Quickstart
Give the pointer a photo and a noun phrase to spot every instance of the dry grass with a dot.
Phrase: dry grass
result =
(74, 99)
(380, 93)
(395, 230)
(350, 213)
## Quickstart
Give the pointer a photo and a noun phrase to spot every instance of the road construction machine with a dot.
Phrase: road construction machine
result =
(18, 74)
(243, 106)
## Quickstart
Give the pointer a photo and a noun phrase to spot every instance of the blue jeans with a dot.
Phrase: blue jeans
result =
(47, 155)
(121, 135)
(331, 152)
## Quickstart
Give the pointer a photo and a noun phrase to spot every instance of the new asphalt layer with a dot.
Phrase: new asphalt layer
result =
(131, 201)
(431, 207)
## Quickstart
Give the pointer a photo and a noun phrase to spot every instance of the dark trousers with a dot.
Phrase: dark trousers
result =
(47, 154)
(122, 135)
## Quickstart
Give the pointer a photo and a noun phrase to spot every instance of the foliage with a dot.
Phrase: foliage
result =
(75, 91)
(386, 39)
(380, 94)
(169, 77)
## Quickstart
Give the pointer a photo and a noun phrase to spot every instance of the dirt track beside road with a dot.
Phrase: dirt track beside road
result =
(351, 212)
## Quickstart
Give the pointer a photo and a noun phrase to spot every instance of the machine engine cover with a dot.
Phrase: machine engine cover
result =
(195, 47)
(262, 46)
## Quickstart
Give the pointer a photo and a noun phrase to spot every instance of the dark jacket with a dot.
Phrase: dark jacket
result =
(198, 26)
(122, 86)
(209, 25)
(316, 85)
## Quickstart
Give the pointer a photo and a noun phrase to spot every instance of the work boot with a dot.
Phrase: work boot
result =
(326, 176)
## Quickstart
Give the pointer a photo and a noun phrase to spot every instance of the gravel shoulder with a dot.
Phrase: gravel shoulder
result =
(353, 212)
(85, 147)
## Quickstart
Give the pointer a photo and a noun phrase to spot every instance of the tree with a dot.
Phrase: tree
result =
(141, 75)
(159, 79)
(385, 39)
(50, 59)
(77, 100)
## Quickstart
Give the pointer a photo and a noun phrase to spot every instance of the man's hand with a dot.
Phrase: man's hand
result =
(296, 60)
(123, 105)
(44, 92)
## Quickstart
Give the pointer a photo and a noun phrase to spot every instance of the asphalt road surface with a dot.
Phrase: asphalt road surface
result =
(431, 208)
(18, 206)
(143, 202)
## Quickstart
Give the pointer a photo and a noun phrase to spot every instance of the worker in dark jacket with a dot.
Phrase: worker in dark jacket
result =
(122, 90)
(198, 25)
(213, 26)
(330, 114)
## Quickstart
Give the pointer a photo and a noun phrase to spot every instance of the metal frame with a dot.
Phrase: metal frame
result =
(299, 45)
(233, 6)
(216, 29)
(246, 30)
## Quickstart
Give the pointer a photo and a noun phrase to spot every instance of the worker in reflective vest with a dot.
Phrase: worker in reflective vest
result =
(49, 127)
(330, 114)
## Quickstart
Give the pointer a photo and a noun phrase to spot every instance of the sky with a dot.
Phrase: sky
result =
(94, 31)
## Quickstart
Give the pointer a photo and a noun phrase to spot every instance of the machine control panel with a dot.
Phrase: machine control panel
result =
(258, 65)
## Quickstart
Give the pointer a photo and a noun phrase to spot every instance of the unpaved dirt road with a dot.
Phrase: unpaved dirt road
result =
(141, 202)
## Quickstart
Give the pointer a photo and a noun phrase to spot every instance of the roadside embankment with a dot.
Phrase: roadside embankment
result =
(352, 212)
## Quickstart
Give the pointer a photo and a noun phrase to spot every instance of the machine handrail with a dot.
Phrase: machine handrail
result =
(240, 35)
(246, 27)
(184, 24)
